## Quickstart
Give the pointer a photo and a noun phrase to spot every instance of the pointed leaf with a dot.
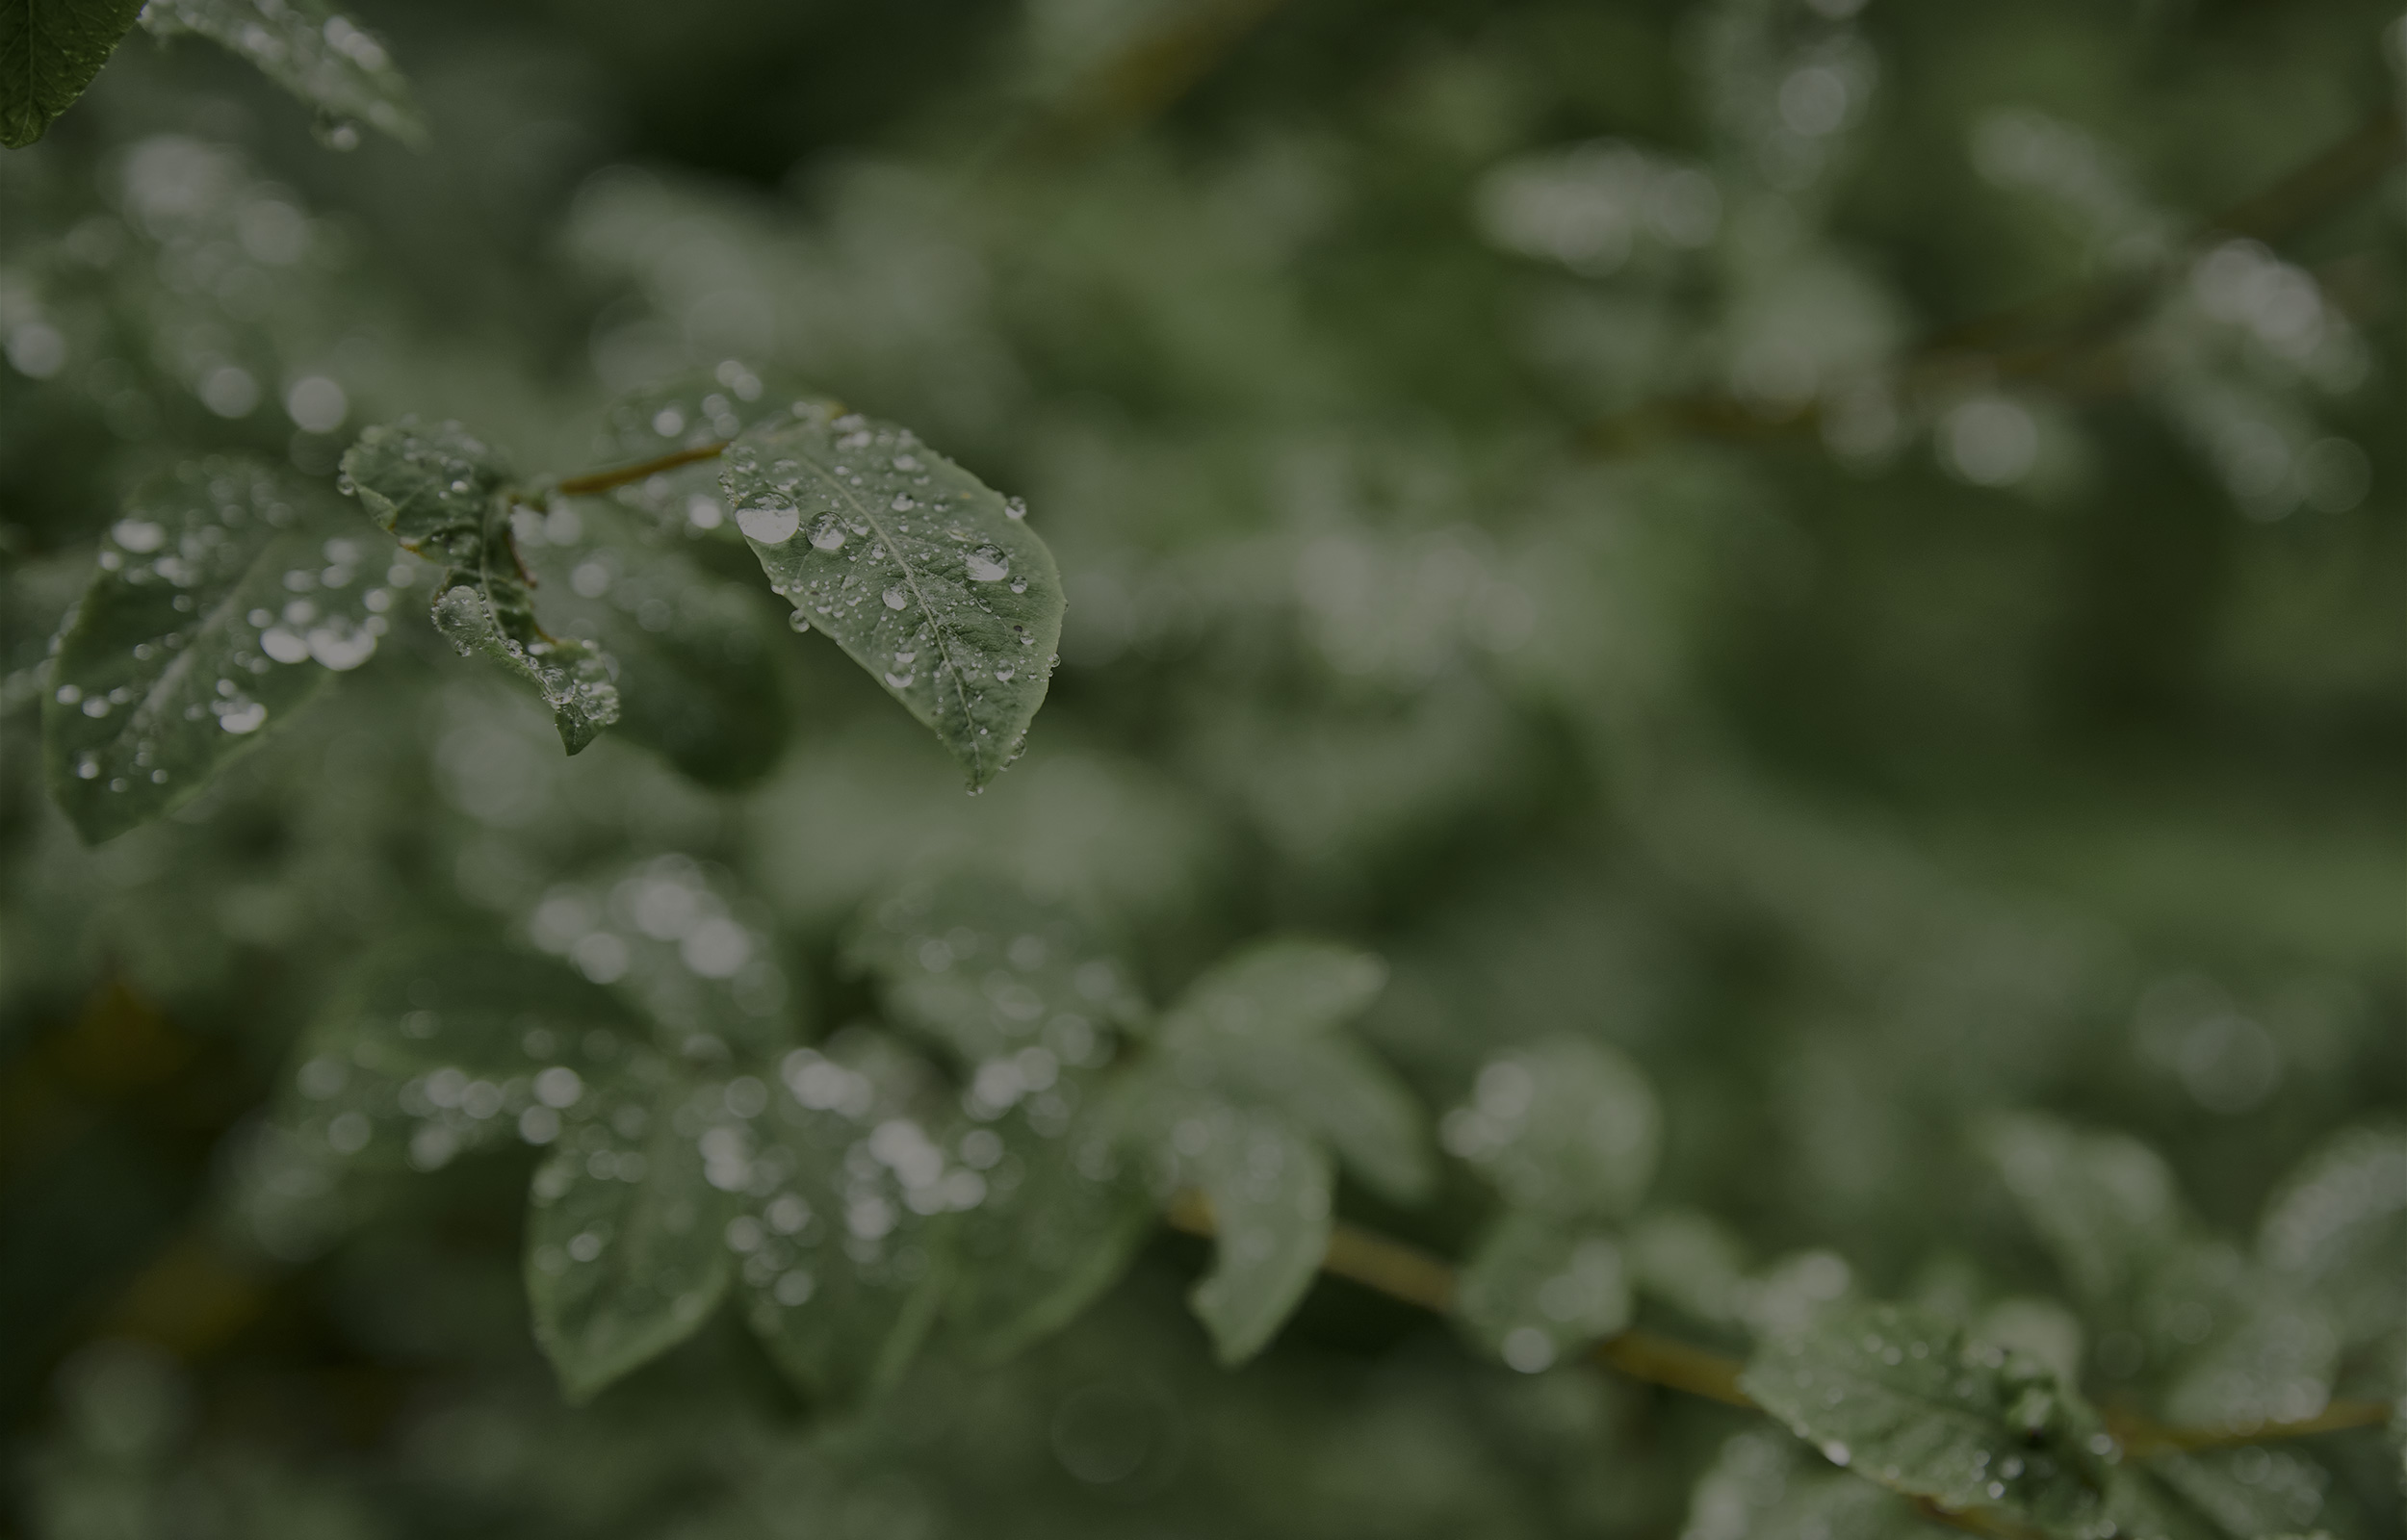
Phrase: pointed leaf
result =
(1895, 1396)
(625, 1254)
(1537, 1290)
(320, 55)
(1567, 1127)
(1269, 1189)
(2338, 1229)
(2104, 1204)
(924, 576)
(1333, 1088)
(845, 1233)
(446, 495)
(49, 51)
(1061, 1218)
(226, 597)
(1277, 989)
(431, 1052)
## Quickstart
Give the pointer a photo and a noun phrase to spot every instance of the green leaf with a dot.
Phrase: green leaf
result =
(694, 654)
(1755, 1490)
(1269, 1189)
(1277, 989)
(1689, 1260)
(2337, 1229)
(1537, 1290)
(925, 577)
(685, 943)
(985, 968)
(1567, 1127)
(307, 47)
(226, 597)
(429, 1052)
(1062, 1217)
(625, 1254)
(2104, 1204)
(2248, 1494)
(49, 51)
(1330, 1086)
(1896, 1396)
(2241, 1345)
(447, 496)
(846, 1208)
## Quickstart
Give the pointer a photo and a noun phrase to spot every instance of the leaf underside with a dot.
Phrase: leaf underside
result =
(49, 51)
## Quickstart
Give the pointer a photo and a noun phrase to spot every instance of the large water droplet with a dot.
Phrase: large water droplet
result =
(828, 533)
(283, 646)
(896, 598)
(771, 526)
(798, 621)
(244, 718)
(987, 565)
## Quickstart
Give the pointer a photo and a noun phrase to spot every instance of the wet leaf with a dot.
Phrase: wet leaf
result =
(446, 495)
(1063, 1216)
(625, 1255)
(49, 51)
(317, 53)
(226, 597)
(1333, 1088)
(1896, 1396)
(2103, 1203)
(1269, 1188)
(2336, 1230)
(1567, 1127)
(924, 576)
(1537, 1290)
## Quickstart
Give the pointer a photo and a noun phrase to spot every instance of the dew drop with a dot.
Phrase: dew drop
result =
(244, 718)
(828, 533)
(1836, 1452)
(1005, 674)
(283, 646)
(987, 565)
(798, 621)
(137, 536)
(899, 680)
(772, 525)
(896, 598)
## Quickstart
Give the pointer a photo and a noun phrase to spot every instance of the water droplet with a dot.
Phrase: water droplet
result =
(899, 680)
(828, 533)
(986, 565)
(283, 646)
(772, 525)
(896, 598)
(137, 536)
(1836, 1452)
(246, 717)
(1015, 508)
(1005, 674)
(798, 621)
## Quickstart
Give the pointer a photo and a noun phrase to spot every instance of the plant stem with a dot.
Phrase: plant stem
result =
(593, 481)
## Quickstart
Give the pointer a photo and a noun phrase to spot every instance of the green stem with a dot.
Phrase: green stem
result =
(593, 481)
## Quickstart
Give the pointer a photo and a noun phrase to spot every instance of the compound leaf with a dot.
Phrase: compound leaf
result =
(625, 1255)
(446, 495)
(1062, 1217)
(324, 57)
(924, 576)
(49, 51)
(226, 599)
(1269, 1186)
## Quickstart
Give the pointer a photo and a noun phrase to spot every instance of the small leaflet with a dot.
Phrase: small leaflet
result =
(324, 57)
(224, 599)
(1758, 1488)
(1566, 1127)
(2104, 1204)
(446, 496)
(1897, 1396)
(1537, 1290)
(923, 574)
(1269, 1186)
(434, 1052)
(1288, 987)
(48, 54)
(624, 1256)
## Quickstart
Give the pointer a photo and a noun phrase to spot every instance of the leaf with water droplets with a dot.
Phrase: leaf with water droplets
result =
(446, 495)
(625, 1255)
(1536, 1290)
(2104, 1204)
(1759, 1489)
(694, 654)
(320, 55)
(431, 1052)
(224, 599)
(1269, 1186)
(919, 572)
(1565, 1126)
(981, 965)
(845, 1233)
(1063, 1215)
(49, 51)
(1896, 1396)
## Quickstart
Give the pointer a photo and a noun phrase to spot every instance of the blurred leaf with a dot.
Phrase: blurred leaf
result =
(1895, 1396)
(49, 51)
(1567, 1127)
(2103, 1203)
(1330, 1086)
(625, 1254)
(1269, 1189)
(446, 496)
(1537, 1290)
(924, 576)
(1689, 1260)
(429, 1052)
(226, 597)
(2338, 1229)
(321, 56)
(1276, 989)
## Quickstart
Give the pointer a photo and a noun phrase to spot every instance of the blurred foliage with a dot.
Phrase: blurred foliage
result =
(1820, 580)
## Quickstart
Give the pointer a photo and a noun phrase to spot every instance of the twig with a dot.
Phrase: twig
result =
(2141, 1437)
(593, 481)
